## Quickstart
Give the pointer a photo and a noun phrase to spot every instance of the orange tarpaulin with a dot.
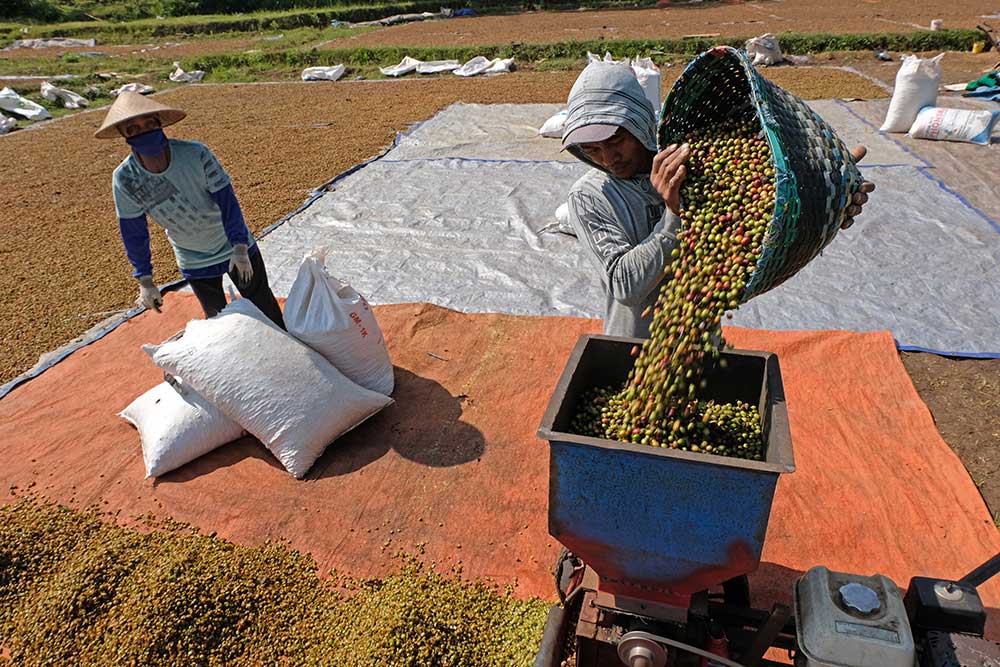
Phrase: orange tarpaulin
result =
(455, 462)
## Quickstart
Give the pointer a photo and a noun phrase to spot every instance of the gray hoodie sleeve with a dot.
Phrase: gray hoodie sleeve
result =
(631, 270)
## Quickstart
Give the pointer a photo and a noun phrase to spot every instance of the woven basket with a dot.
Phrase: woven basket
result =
(815, 174)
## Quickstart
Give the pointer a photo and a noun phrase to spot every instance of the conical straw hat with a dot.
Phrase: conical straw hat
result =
(132, 105)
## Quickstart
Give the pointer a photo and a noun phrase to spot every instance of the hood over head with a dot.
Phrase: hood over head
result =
(607, 94)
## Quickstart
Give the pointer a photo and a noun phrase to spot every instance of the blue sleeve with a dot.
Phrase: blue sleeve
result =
(135, 237)
(232, 216)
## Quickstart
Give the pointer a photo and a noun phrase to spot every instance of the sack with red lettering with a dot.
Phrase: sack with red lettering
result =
(331, 317)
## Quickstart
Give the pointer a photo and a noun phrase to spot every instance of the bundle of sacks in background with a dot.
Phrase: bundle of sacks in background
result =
(912, 108)
(645, 71)
(295, 391)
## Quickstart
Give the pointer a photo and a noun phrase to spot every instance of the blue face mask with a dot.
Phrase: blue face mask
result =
(149, 144)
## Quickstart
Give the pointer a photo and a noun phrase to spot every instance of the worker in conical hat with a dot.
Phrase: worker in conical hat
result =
(182, 186)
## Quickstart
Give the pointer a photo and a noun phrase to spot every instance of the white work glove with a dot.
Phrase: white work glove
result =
(149, 295)
(240, 263)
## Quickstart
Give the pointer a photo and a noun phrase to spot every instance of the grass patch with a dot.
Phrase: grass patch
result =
(792, 43)
(115, 32)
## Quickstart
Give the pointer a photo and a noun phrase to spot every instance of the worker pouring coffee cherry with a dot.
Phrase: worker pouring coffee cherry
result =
(182, 186)
(626, 210)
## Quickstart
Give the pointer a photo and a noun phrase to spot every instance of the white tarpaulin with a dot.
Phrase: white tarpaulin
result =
(180, 76)
(323, 73)
(405, 66)
(14, 103)
(483, 65)
(7, 124)
(460, 213)
(140, 88)
(48, 43)
(69, 99)
(437, 66)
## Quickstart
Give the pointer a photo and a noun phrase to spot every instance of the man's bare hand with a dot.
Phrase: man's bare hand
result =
(668, 173)
(861, 196)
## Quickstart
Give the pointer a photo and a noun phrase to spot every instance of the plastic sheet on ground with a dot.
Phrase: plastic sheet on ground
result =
(475, 66)
(323, 73)
(48, 43)
(405, 66)
(483, 65)
(140, 88)
(69, 99)
(7, 124)
(485, 132)
(437, 66)
(11, 102)
(456, 461)
(460, 213)
(180, 76)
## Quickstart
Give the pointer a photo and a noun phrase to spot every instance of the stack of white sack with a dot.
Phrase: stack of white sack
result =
(913, 107)
(645, 71)
(289, 393)
(916, 87)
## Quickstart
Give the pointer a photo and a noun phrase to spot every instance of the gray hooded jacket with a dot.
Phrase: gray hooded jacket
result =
(623, 223)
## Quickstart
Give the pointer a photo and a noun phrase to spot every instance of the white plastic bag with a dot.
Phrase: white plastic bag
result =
(649, 78)
(405, 66)
(917, 84)
(764, 50)
(70, 99)
(323, 73)
(177, 427)
(281, 391)
(553, 127)
(180, 76)
(500, 66)
(332, 318)
(7, 124)
(140, 88)
(608, 58)
(645, 71)
(967, 125)
(14, 103)
(474, 67)
(562, 220)
(437, 66)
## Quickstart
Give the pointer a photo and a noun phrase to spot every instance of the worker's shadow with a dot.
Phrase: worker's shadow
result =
(424, 425)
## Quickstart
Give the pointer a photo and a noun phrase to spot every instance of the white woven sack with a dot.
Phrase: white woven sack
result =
(177, 427)
(943, 124)
(284, 393)
(650, 79)
(553, 127)
(332, 318)
(916, 87)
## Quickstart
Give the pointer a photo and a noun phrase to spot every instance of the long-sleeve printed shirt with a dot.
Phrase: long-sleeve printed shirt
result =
(193, 200)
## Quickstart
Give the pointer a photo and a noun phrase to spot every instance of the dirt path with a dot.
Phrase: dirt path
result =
(752, 18)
